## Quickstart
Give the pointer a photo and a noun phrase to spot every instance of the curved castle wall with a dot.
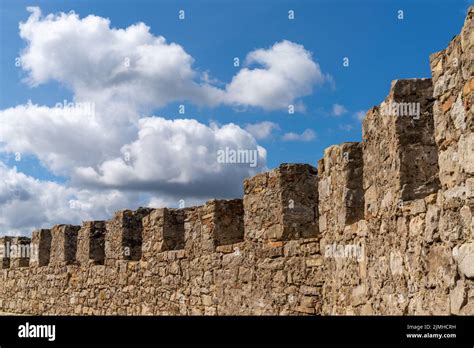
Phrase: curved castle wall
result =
(384, 226)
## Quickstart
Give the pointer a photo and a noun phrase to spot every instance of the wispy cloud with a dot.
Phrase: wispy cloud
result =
(307, 135)
(338, 110)
(359, 115)
(261, 130)
(346, 127)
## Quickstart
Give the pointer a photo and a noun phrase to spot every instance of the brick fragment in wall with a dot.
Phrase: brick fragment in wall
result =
(124, 233)
(91, 243)
(40, 247)
(63, 244)
(282, 204)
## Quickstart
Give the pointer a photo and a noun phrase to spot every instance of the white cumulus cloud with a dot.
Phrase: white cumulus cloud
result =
(287, 72)
(61, 139)
(133, 66)
(27, 203)
(104, 64)
(178, 157)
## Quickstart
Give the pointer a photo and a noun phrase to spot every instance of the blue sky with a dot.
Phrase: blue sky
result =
(380, 48)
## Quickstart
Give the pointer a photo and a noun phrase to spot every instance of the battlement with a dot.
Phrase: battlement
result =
(63, 244)
(20, 247)
(14, 252)
(341, 195)
(282, 204)
(163, 229)
(41, 247)
(216, 223)
(384, 226)
(400, 163)
(453, 80)
(123, 239)
(91, 243)
(4, 257)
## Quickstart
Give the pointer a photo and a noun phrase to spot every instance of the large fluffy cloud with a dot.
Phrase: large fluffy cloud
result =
(27, 203)
(132, 65)
(115, 154)
(103, 64)
(61, 139)
(179, 157)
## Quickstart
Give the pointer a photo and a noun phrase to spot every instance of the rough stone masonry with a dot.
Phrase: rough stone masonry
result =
(384, 227)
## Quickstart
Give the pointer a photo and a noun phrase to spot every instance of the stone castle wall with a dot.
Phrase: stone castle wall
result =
(384, 226)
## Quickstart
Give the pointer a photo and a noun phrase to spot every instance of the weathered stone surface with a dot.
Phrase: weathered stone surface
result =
(400, 163)
(163, 229)
(458, 297)
(341, 196)
(123, 237)
(282, 204)
(450, 217)
(464, 257)
(452, 71)
(218, 222)
(41, 247)
(91, 243)
(63, 244)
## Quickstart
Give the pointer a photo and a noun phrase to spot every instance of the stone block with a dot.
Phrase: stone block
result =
(464, 257)
(163, 229)
(399, 151)
(341, 195)
(20, 252)
(5, 243)
(452, 70)
(282, 204)
(40, 247)
(63, 244)
(218, 222)
(124, 233)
